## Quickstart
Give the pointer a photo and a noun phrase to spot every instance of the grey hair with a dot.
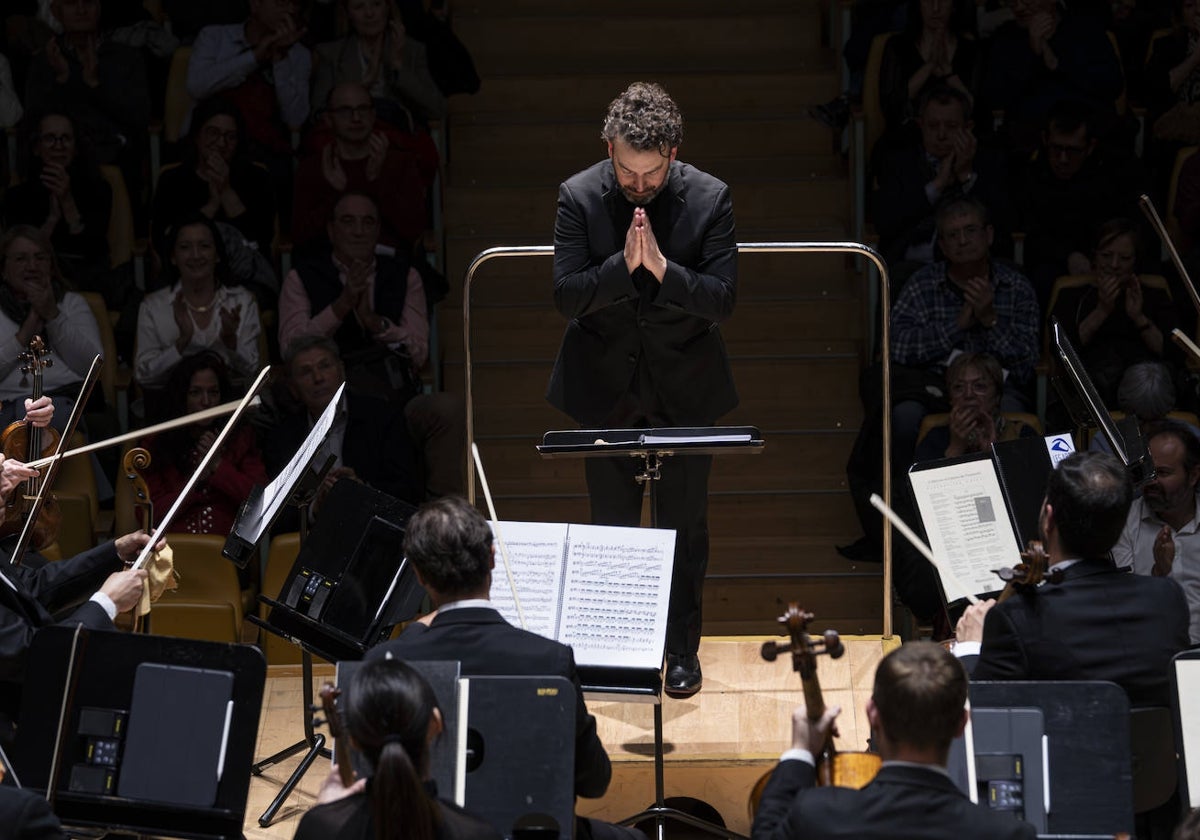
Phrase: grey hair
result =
(1146, 390)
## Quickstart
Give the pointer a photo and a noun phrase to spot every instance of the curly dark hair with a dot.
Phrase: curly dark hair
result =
(645, 117)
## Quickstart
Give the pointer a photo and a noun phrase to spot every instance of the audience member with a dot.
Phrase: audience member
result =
(1172, 80)
(360, 160)
(1044, 56)
(369, 440)
(10, 103)
(935, 48)
(917, 708)
(943, 162)
(392, 719)
(65, 196)
(188, 17)
(34, 302)
(216, 178)
(969, 302)
(197, 310)
(199, 382)
(1146, 392)
(100, 83)
(390, 65)
(1067, 193)
(1162, 532)
(450, 546)
(450, 62)
(1097, 622)
(1116, 320)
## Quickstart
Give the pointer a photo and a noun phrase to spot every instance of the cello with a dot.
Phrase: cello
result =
(834, 768)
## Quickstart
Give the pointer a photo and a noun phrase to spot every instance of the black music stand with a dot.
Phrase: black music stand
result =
(652, 446)
(342, 597)
(129, 695)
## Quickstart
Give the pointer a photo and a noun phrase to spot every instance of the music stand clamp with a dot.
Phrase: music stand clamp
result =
(302, 496)
(653, 446)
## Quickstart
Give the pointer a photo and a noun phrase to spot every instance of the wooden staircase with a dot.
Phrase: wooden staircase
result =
(743, 75)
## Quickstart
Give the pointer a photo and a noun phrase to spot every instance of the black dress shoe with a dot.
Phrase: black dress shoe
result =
(683, 675)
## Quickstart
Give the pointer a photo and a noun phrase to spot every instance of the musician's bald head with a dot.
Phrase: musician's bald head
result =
(449, 544)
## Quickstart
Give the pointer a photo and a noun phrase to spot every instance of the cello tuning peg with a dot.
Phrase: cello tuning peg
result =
(833, 644)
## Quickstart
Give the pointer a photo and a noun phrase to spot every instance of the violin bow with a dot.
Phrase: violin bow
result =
(487, 495)
(919, 545)
(1152, 214)
(243, 404)
(85, 393)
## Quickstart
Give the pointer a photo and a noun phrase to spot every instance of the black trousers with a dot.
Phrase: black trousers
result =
(681, 496)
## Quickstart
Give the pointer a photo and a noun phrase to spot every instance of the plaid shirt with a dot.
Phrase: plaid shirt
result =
(924, 328)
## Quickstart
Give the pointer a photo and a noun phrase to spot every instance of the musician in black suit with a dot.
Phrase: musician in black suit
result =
(917, 708)
(450, 546)
(26, 815)
(1098, 622)
(645, 266)
(369, 437)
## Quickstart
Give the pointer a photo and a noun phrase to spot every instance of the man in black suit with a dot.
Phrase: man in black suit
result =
(369, 438)
(645, 266)
(917, 708)
(1098, 622)
(450, 546)
(26, 815)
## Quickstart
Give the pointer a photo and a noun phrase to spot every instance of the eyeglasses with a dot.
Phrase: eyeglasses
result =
(57, 139)
(966, 232)
(343, 111)
(211, 132)
(978, 387)
(1059, 150)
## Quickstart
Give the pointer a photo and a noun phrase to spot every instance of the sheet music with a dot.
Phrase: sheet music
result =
(615, 600)
(536, 552)
(276, 494)
(967, 522)
(653, 439)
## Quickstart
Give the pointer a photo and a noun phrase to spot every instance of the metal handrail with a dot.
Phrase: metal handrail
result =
(743, 247)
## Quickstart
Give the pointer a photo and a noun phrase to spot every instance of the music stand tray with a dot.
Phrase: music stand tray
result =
(652, 446)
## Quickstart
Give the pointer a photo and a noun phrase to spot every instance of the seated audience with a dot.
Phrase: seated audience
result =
(935, 48)
(393, 720)
(1067, 193)
(943, 162)
(1116, 321)
(99, 82)
(199, 382)
(369, 440)
(1162, 531)
(1090, 620)
(1043, 56)
(391, 65)
(34, 301)
(1146, 392)
(917, 709)
(1172, 80)
(216, 178)
(196, 310)
(363, 160)
(65, 195)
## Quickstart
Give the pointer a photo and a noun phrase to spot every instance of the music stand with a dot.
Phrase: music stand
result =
(652, 446)
(341, 597)
(115, 693)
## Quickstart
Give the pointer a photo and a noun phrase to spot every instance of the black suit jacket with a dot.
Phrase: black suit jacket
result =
(1100, 623)
(27, 816)
(900, 802)
(487, 645)
(376, 446)
(627, 332)
(350, 819)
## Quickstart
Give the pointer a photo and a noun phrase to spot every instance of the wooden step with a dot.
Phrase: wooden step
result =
(699, 95)
(477, 142)
(574, 43)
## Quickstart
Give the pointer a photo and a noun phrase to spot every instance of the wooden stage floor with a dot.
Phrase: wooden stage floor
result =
(716, 743)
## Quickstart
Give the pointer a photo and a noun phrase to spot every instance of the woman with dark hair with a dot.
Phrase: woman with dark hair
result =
(216, 178)
(65, 195)
(197, 310)
(1116, 320)
(34, 301)
(936, 46)
(392, 719)
(199, 382)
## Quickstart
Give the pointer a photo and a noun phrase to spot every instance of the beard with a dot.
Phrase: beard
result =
(639, 199)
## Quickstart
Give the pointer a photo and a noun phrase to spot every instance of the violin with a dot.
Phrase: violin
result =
(341, 741)
(1025, 576)
(26, 442)
(834, 768)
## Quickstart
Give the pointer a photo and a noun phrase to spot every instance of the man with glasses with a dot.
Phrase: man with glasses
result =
(359, 159)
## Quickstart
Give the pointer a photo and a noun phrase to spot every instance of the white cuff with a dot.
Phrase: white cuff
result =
(799, 755)
(106, 604)
(962, 649)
